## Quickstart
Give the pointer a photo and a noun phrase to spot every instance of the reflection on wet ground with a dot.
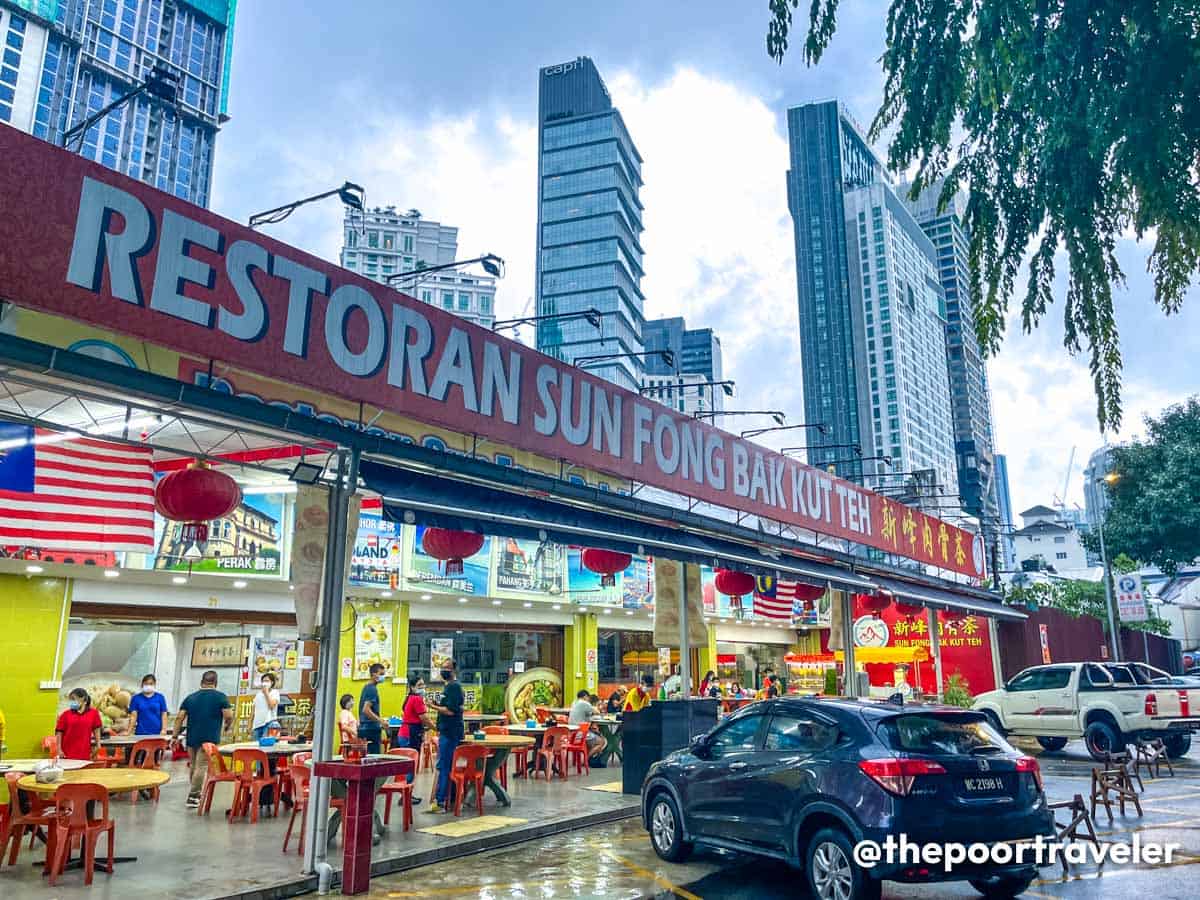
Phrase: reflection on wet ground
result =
(617, 861)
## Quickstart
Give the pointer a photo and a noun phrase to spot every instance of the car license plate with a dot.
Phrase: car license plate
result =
(983, 785)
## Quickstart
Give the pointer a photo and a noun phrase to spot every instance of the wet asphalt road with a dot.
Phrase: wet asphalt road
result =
(616, 861)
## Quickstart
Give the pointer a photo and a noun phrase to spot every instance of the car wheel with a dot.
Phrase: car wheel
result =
(1002, 888)
(1101, 739)
(1052, 743)
(1177, 745)
(666, 830)
(831, 871)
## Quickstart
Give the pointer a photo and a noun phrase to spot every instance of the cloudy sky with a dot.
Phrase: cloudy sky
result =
(434, 106)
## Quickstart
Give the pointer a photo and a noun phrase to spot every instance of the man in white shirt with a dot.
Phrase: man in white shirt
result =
(582, 711)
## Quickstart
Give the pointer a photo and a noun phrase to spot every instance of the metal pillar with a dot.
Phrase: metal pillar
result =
(325, 709)
(685, 661)
(935, 648)
(851, 676)
(1113, 627)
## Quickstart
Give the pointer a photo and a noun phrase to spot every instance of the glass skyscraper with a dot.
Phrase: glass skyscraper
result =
(589, 252)
(687, 384)
(64, 60)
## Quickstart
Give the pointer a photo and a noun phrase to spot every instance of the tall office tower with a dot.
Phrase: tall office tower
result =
(382, 243)
(970, 398)
(64, 60)
(872, 317)
(687, 385)
(589, 254)
(828, 154)
(1004, 508)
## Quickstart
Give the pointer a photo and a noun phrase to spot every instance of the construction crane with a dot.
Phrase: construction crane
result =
(1060, 501)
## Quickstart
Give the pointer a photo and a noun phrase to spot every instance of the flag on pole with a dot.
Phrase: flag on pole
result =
(62, 491)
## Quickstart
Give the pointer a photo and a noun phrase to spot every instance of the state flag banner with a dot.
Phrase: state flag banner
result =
(63, 491)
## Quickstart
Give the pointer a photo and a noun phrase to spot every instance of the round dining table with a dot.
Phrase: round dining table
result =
(500, 745)
(32, 765)
(115, 781)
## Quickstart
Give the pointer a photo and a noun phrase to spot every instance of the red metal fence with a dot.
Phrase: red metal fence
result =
(1072, 639)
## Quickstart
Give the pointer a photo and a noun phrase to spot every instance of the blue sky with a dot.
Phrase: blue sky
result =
(433, 106)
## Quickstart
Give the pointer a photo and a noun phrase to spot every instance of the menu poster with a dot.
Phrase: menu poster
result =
(372, 643)
(269, 656)
(426, 573)
(441, 652)
(530, 567)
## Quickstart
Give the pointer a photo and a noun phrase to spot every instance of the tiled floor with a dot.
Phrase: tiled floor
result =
(181, 854)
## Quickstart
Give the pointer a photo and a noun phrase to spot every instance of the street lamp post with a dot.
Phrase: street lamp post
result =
(592, 316)
(1110, 478)
(821, 428)
(857, 448)
(775, 414)
(351, 195)
(492, 264)
(667, 356)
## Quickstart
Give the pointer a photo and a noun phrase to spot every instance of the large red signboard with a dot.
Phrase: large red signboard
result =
(82, 241)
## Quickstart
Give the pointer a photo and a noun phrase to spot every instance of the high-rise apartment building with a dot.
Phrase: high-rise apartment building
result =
(687, 385)
(383, 242)
(970, 398)
(1095, 488)
(64, 60)
(872, 311)
(1005, 512)
(589, 253)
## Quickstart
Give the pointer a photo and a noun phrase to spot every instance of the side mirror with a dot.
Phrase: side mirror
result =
(699, 745)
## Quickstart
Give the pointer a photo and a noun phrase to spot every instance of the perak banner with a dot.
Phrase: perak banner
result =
(81, 241)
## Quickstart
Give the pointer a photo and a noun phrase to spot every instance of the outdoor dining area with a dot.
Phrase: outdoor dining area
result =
(71, 827)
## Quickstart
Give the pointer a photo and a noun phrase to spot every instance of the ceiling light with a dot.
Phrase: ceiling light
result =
(629, 612)
(112, 573)
(458, 631)
(427, 596)
(462, 599)
(306, 472)
(385, 593)
(291, 587)
(34, 570)
(239, 584)
(607, 611)
(497, 602)
(527, 605)
(179, 579)
(557, 607)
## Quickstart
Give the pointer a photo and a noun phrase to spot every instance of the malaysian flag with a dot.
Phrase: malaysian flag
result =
(773, 598)
(66, 492)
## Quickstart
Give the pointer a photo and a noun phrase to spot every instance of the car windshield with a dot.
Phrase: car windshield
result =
(941, 734)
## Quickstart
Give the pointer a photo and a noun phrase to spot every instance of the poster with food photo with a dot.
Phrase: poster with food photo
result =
(441, 652)
(269, 656)
(372, 643)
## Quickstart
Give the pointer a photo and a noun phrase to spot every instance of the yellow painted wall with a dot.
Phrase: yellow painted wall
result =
(708, 657)
(581, 635)
(391, 696)
(31, 612)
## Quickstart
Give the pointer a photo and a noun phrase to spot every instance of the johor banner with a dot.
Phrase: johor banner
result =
(120, 254)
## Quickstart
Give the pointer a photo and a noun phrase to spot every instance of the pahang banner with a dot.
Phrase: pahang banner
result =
(120, 254)
(670, 577)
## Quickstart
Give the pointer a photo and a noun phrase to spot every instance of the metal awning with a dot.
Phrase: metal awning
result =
(413, 497)
(942, 598)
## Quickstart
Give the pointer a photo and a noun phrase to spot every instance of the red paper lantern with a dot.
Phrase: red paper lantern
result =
(451, 547)
(807, 593)
(875, 603)
(195, 496)
(734, 584)
(909, 609)
(605, 563)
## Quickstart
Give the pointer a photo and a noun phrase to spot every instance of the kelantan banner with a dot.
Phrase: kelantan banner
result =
(81, 241)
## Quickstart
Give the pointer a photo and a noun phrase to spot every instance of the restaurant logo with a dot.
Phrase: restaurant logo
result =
(871, 631)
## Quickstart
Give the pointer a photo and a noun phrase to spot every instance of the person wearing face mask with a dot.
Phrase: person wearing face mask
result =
(78, 728)
(416, 716)
(265, 703)
(370, 713)
(450, 732)
(148, 710)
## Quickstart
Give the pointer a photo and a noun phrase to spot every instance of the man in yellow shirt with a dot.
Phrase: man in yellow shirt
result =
(640, 695)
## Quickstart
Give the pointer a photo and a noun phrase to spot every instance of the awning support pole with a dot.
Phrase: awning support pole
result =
(685, 661)
(850, 675)
(935, 647)
(316, 823)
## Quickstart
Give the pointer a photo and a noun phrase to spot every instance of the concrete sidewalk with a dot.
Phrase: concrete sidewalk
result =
(181, 853)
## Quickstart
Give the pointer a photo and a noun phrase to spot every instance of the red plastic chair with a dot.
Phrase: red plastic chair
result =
(521, 761)
(151, 752)
(429, 750)
(399, 785)
(253, 773)
(577, 749)
(301, 777)
(467, 768)
(541, 714)
(111, 758)
(39, 819)
(50, 745)
(217, 772)
(74, 827)
(553, 752)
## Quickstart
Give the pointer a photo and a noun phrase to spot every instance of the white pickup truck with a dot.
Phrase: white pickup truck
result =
(1105, 704)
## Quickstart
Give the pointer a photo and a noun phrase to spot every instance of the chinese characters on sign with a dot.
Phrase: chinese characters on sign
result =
(217, 652)
(1131, 601)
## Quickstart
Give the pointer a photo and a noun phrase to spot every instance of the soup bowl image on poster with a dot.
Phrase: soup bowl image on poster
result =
(528, 690)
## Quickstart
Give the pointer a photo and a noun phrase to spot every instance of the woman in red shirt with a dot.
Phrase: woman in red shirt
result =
(78, 728)
(416, 716)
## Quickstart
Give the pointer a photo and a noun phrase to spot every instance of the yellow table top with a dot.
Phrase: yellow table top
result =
(281, 749)
(115, 781)
(501, 740)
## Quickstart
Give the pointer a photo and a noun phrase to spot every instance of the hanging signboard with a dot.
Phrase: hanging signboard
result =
(120, 254)
(1131, 600)
(427, 573)
(377, 553)
(529, 567)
